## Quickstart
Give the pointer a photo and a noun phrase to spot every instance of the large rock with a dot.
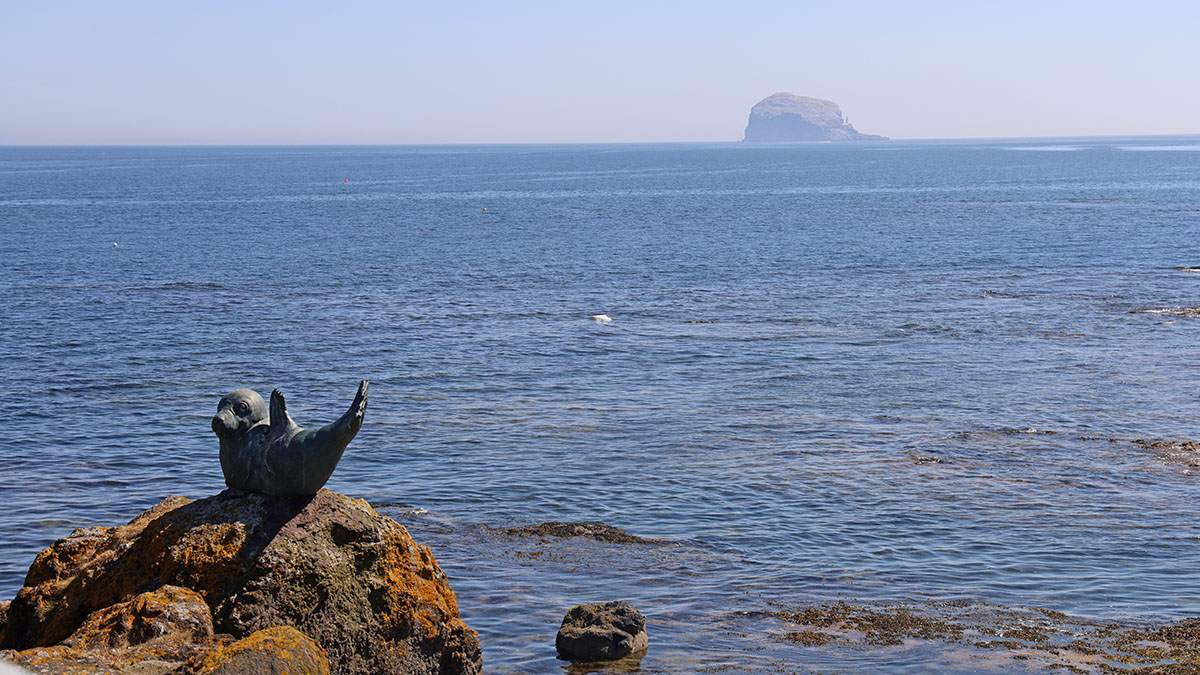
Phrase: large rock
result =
(328, 565)
(601, 632)
(785, 117)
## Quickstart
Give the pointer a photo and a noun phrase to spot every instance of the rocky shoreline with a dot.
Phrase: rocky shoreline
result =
(248, 583)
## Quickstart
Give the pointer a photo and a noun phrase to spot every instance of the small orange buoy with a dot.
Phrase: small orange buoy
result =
(485, 208)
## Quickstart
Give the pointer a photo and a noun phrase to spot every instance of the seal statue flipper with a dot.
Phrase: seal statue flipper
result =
(281, 421)
(280, 457)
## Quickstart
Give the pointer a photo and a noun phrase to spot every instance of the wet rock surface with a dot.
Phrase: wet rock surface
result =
(1173, 452)
(327, 565)
(1180, 453)
(1038, 638)
(587, 530)
(601, 632)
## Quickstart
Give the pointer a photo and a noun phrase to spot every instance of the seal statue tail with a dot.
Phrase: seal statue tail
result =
(299, 461)
(324, 447)
(348, 424)
(338, 434)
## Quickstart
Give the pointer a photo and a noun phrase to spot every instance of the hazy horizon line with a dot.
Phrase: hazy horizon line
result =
(555, 143)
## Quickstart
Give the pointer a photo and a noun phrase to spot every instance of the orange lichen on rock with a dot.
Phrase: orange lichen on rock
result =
(63, 660)
(195, 547)
(170, 611)
(415, 589)
(282, 649)
(64, 556)
(359, 585)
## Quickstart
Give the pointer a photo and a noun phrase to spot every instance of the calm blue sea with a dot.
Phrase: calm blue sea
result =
(892, 371)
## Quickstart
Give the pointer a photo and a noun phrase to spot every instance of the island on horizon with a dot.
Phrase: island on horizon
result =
(783, 117)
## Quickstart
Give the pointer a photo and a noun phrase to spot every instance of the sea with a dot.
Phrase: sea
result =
(899, 373)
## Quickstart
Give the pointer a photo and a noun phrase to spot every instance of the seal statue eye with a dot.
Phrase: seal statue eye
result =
(242, 408)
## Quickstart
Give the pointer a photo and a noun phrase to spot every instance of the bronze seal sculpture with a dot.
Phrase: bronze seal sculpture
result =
(265, 451)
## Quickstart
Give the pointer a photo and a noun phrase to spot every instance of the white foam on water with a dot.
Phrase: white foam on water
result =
(1173, 311)
(1047, 148)
(601, 319)
(1160, 148)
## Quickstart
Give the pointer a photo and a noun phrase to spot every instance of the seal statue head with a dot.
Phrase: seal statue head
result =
(238, 411)
(263, 450)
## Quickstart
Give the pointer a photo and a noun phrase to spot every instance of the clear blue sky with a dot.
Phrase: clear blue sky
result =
(559, 71)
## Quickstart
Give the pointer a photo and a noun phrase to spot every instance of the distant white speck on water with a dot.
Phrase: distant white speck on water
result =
(601, 319)
(114, 244)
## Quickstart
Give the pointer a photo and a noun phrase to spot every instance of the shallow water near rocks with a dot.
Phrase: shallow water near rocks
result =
(894, 372)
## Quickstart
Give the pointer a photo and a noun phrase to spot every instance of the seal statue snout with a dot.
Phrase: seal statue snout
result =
(220, 426)
(238, 411)
(224, 424)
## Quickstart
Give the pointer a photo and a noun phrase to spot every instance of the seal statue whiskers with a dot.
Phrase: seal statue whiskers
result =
(265, 451)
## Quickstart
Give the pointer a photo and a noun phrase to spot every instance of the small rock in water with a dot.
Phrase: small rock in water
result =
(601, 632)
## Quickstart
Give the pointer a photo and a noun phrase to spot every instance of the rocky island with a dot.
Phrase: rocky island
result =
(784, 117)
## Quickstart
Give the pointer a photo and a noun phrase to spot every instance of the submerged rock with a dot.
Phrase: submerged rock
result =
(328, 565)
(601, 632)
(590, 530)
(784, 117)
(1016, 639)
(1175, 452)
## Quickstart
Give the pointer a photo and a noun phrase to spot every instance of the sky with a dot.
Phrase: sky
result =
(297, 72)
